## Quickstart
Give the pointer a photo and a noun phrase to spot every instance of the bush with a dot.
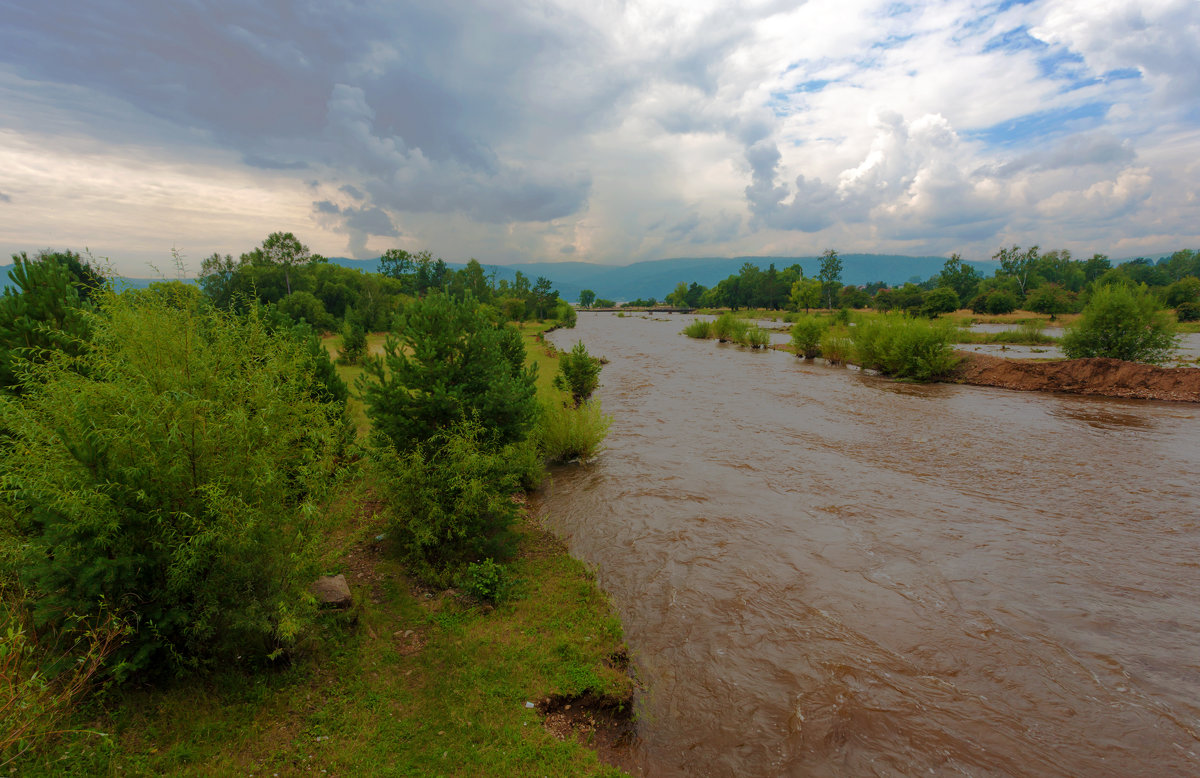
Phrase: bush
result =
(568, 433)
(995, 302)
(449, 362)
(354, 340)
(171, 476)
(699, 329)
(905, 348)
(1188, 312)
(566, 316)
(757, 337)
(726, 327)
(836, 349)
(939, 301)
(449, 500)
(486, 581)
(578, 373)
(806, 337)
(1121, 322)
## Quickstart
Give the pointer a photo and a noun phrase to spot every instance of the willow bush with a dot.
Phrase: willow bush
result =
(902, 347)
(806, 337)
(170, 476)
(1122, 322)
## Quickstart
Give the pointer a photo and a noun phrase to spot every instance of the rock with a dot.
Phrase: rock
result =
(332, 591)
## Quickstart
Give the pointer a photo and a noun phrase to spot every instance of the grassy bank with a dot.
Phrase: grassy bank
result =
(409, 681)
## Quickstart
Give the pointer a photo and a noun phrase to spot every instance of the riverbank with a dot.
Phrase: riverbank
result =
(1103, 377)
(408, 680)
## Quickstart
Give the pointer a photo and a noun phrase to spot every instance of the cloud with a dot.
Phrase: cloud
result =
(524, 129)
(357, 223)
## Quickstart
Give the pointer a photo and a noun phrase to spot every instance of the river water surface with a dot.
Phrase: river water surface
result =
(822, 572)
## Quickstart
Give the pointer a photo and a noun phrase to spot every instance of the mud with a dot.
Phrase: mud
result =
(1100, 377)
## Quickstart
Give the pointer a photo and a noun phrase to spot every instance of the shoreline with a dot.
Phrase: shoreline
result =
(1091, 376)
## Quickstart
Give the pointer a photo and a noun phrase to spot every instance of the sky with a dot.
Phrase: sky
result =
(607, 131)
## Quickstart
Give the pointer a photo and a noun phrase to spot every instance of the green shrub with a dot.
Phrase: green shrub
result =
(486, 581)
(566, 316)
(449, 361)
(939, 301)
(1121, 322)
(448, 500)
(806, 337)
(726, 327)
(578, 373)
(915, 349)
(1188, 312)
(568, 433)
(354, 340)
(841, 316)
(699, 329)
(171, 476)
(757, 337)
(835, 348)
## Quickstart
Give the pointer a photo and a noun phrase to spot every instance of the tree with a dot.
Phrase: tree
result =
(544, 297)
(1185, 290)
(806, 294)
(1051, 299)
(830, 275)
(1017, 264)
(939, 301)
(171, 474)
(960, 277)
(678, 298)
(1122, 322)
(398, 264)
(447, 362)
(586, 298)
(286, 250)
(42, 313)
(578, 373)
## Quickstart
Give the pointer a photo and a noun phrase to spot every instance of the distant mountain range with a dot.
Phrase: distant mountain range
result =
(658, 278)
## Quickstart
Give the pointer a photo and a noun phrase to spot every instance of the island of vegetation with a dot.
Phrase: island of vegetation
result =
(276, 523)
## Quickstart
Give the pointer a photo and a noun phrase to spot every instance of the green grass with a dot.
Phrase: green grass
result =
(409, 682)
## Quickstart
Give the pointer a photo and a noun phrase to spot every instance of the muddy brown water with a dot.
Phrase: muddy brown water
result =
(822, 572)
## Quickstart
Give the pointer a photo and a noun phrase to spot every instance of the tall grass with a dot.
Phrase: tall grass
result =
(756, 337)
(835, 347)
(567, 433)
(901, 347)
(699, 329)
(728, 327)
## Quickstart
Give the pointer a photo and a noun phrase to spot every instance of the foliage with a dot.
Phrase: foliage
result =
(806, 294)
(448, 500)
(302, 306)
(700, 328)
(830, 275)
(1188, 312)
(939, 301)
(286, 250)
(1185, 290)
(170, 475)
(757, 337)
(354, 340)
(836, 348)
(806, 337)
(586, 298)
(960, 277)
(487, 581)
(566, 316)
(578, 373)
(567, 433)
(723, 327)
(447, 362)
(42, 685)
(604, 303)
(42, 313)
(916, 349)
(1121, 322)
(1051, 299)
(994, 302)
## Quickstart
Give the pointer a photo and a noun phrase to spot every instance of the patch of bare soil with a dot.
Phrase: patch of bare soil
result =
(1105, 377)
(602, 723)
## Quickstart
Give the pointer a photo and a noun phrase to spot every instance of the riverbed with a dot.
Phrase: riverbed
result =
(823, 572)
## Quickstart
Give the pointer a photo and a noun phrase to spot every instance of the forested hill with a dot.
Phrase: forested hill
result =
(657, 278)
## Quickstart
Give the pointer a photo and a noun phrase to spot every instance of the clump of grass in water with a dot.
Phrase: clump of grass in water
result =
(699, 329)
(916, 349)
(725, 328)
(835, 348)
(568, 433)
(756, 337)
(806, 337)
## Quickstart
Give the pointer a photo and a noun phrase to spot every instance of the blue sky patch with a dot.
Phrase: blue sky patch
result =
(1034, 127)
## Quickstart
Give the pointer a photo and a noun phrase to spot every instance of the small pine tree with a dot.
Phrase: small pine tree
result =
(578, 373)
(354, 339)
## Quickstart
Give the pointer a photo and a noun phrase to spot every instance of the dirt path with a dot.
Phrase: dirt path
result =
(1106, 377)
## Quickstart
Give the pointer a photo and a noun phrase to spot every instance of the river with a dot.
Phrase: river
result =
(822, 572)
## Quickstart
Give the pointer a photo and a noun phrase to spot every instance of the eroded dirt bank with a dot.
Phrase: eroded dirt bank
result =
(1105, 377)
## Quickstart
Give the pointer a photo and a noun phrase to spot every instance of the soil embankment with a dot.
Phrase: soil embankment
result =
(1105, 377)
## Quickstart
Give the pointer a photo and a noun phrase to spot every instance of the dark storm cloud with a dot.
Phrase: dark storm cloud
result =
(358, 224)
